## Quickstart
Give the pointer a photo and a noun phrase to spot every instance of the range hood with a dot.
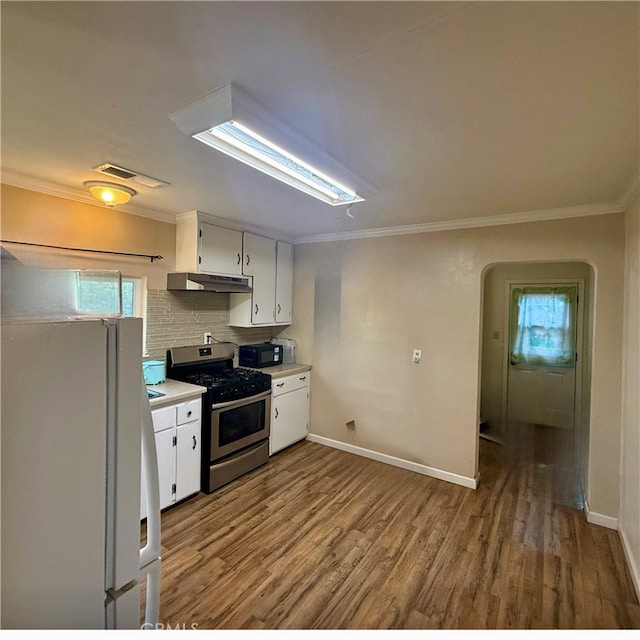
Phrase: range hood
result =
(208, 282)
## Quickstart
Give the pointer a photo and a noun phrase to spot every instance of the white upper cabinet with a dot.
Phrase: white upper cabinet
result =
(284, 282)
(270, 264)
(220, 250)
(260, 263)
(202, 247)
(205, 247)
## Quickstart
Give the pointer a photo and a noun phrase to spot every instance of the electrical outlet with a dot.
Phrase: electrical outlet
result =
(417, 356)
(208, 337)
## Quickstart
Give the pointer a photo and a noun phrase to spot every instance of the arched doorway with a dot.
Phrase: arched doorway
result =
(534, 414)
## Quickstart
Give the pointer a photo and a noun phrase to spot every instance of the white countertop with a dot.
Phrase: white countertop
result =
(174, 391)
(281, 370)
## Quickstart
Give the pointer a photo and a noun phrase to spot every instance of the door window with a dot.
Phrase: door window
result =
(543, 330)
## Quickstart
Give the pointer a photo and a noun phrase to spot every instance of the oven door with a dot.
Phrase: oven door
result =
(239, 423)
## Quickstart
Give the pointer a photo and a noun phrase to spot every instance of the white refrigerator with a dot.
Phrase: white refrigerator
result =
(74, 415)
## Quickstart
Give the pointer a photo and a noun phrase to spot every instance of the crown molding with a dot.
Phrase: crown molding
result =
(31, 183)
(630, 193)
(468, 223)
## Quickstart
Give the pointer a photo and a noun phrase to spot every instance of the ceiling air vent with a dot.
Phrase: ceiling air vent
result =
(113, 170)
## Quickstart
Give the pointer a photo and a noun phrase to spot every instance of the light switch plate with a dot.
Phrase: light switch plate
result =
(417, 356)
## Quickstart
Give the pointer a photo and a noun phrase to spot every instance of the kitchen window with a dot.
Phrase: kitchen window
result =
(97, 295)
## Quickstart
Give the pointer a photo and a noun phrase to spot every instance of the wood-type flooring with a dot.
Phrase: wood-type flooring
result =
(323, 539)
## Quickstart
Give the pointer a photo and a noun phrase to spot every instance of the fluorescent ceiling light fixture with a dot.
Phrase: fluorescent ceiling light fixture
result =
(231, 122)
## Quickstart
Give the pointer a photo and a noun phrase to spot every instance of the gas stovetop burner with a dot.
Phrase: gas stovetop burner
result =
(224, 377)
(231, 384)
(211, 366)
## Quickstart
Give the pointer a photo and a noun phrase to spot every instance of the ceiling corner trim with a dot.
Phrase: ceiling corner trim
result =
(31, 183)
(599, 209)
(631, 192)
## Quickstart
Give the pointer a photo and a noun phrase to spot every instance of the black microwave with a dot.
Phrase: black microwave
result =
(264, 354)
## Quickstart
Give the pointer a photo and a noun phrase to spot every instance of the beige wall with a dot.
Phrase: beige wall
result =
(630, 463)
(370, 302)
(28, 216)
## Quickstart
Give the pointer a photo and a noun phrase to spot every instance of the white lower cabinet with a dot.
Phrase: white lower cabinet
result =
(289, 410)
(187, 459)
(166, 465)
(177, 434)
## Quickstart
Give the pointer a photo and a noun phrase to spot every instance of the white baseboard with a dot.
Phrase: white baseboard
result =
(600, 519)
(464, 481)
(632, 563)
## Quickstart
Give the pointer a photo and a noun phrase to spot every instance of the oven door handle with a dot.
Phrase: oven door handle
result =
(241, 402)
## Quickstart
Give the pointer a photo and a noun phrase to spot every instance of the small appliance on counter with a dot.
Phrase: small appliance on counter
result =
(288, 349)
(260, 355)
(154, 371)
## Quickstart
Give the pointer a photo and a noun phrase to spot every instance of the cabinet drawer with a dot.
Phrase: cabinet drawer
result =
(164, 418)
(290, 383)
(189, 411)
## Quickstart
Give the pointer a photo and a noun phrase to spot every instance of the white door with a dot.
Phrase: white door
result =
(188, 459)
(54, 448)
(166, 465)
(542, 354)
(260, 262)
(220, 250)
(284, 282)
(289, 418)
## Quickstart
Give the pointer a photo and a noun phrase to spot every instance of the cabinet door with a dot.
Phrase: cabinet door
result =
(260, 262)
(166, 466)
(188, 459)
(284, 282)
(220, 250)
(289, 419)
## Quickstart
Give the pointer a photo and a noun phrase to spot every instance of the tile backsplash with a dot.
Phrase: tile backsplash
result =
(178, 318)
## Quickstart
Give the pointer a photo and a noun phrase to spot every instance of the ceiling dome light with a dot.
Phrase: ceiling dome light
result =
(109, 193)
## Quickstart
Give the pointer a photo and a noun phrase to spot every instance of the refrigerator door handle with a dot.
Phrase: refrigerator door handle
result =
(152, 602)
(150, 553)
(114, 594)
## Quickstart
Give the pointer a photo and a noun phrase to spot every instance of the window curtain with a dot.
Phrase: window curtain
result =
(543, 326)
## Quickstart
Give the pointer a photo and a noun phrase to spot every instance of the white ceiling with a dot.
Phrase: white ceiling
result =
(450, 110)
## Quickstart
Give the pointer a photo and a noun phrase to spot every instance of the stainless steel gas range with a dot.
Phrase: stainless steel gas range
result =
(236, 410)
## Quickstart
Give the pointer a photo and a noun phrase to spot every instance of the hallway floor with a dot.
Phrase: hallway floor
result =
(545, 457)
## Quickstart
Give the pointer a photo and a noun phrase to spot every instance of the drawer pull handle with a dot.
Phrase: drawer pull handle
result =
(303, 377)
(189, 414)
(195, 442)
(280, 384)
